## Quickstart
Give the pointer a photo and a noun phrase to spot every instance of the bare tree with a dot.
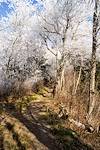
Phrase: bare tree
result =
(55, 35)
(96, 28)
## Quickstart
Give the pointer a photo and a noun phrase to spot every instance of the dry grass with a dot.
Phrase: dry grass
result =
(8, 142)
(24, 136)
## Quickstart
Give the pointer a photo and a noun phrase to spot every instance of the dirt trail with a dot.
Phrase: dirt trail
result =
(31, 123)
(41, 133)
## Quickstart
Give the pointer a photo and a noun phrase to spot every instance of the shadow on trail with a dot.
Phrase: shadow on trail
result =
(64, 136)
(41, 133)
(69, 139)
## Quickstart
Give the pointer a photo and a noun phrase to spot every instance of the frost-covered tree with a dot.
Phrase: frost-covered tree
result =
(21, 49)
(59, 23)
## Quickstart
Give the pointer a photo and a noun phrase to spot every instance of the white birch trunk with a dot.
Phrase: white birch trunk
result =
(93, 61)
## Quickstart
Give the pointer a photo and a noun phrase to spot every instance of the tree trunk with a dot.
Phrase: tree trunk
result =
(62, 63)
(60, 77)
(93, 61)
(79, 77)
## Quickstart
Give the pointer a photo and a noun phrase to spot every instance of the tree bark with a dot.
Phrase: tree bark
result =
(79, 77)
(93, 61)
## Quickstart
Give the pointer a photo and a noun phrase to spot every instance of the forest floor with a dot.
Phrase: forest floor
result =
(38, 127)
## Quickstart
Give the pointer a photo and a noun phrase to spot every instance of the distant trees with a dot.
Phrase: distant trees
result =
(17, 70)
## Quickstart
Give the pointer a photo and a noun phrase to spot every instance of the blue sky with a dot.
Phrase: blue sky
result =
(5, 9)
